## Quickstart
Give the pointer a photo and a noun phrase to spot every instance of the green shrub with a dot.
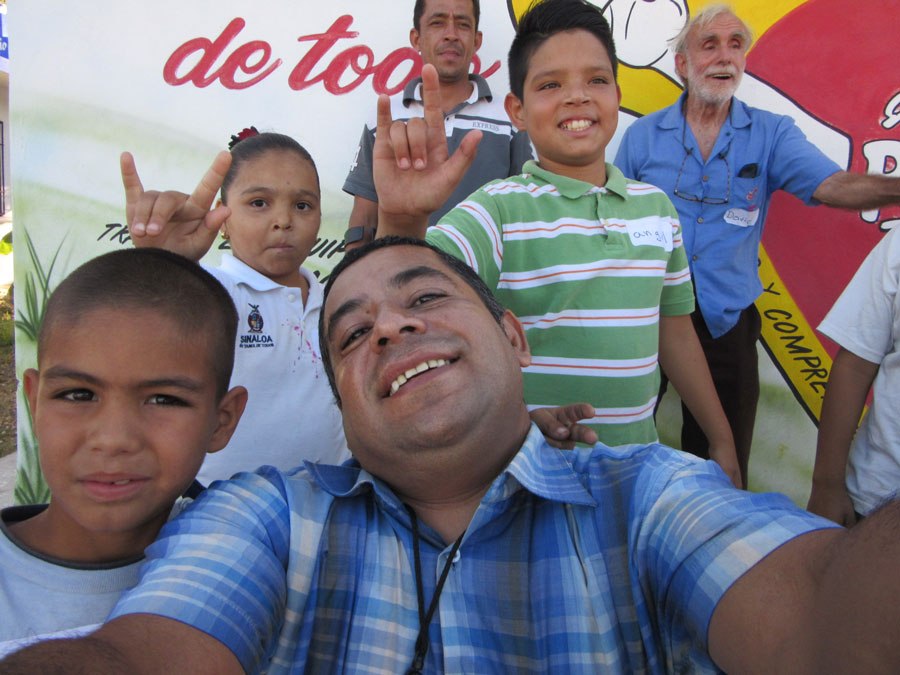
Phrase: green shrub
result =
(7, 331)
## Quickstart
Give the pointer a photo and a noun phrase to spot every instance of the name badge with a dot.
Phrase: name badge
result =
(742, 217)
(653, 234)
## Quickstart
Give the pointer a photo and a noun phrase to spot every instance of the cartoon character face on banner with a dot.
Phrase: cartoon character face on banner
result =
(641, 30)
(637, 46)
(847, 101)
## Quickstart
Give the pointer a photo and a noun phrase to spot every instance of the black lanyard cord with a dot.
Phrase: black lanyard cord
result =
(425, 618)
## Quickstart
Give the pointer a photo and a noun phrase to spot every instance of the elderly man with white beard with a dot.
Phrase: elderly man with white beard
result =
(720, 161)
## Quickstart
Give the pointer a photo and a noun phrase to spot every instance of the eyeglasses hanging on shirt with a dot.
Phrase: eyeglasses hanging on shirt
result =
(710, 168)
(696, 193)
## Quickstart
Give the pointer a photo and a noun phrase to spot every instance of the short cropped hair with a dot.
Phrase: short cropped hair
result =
(702, 20)
(156, 280)
(419, 10)
(543, 20)
(251, 147)
(455, 265)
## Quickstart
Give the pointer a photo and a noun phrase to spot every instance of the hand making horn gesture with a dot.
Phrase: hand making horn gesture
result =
(175, 221)
(413, 171)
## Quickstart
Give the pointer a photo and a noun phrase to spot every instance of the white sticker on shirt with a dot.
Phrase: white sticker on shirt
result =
(742, 217)
(649, 233)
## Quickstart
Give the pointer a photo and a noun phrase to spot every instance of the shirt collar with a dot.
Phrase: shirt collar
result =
(573, 188)
(260, 282)
(542, 470)
(412, 92)
(738, 115)
(538, 467)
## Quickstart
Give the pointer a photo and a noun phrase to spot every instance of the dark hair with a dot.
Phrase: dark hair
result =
(150, 279)
(461, 269)
(543, 20)
(250, 147)
(419, 10)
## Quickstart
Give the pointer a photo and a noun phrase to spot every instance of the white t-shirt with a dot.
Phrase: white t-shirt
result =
(291, 414)
(865, 320)
(42, 598)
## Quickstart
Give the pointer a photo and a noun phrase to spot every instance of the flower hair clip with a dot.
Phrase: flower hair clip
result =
(243, 134)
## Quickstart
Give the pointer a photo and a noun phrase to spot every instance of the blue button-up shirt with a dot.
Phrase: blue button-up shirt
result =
(584, 561)
(723, 201)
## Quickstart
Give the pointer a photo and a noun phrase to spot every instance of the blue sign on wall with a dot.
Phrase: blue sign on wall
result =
(4, 38)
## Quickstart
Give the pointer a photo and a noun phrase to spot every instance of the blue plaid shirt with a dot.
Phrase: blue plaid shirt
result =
(575, 561)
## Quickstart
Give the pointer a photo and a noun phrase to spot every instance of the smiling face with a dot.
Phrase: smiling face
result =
(447, 38)
(275, 214)
(122, 429)
(714, 59)
(424, 371)
(570, 105)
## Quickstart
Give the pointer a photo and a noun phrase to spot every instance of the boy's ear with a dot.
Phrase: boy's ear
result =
(30, 381)
(512, 327)
(414, 38)
(514, 110)
(229, 412)
(478, 38)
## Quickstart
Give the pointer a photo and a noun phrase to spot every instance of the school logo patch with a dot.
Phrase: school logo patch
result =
(255, 319)
(255, 338)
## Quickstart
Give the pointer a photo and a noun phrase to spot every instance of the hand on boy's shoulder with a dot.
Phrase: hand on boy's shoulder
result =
(175, 221)
(413, 171)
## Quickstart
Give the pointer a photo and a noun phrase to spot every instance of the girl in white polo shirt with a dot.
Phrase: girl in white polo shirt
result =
(269, 212)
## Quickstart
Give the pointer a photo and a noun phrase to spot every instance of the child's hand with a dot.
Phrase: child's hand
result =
(413, 172)
(725, 456)
(560, 425)
(833, 502)
(174, 221)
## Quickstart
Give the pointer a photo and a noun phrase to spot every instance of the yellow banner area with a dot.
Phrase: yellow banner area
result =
(792, 343)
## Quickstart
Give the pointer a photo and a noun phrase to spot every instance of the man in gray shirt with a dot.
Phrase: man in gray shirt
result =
(445, 33)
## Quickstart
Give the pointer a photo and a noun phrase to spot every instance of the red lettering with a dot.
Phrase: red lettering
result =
(361, 61)
(338, 66)
(387, 68)
(476, 67)
(241, 59)
(343, 73)
(300, 76)
(211, 50)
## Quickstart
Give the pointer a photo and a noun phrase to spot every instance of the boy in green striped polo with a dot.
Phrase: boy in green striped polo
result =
(591, 263)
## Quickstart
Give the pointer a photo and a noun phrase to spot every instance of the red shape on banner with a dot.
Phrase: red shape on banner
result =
(833, 59)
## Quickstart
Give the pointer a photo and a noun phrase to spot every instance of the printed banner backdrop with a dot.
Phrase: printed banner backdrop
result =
(172, 80)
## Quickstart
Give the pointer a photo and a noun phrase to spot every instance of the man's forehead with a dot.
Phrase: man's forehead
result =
(464, 8)
(728, 23)
(388, 268)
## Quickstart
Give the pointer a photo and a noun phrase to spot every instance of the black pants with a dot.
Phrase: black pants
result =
(734, 366)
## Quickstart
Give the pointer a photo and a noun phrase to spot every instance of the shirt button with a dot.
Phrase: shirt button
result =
(456, 557)
(705, 178)
(700, 219)
(695, 258)
(291, 297)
